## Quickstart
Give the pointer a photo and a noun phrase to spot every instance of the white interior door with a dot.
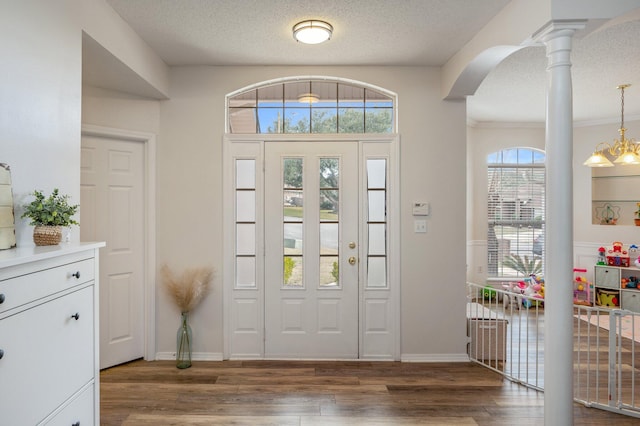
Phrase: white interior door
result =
(311, 250)
(112, 210)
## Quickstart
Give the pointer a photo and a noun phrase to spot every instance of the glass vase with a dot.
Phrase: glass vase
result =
(183, 352)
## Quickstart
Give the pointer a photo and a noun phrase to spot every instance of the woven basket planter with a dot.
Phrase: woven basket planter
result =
(47, 235)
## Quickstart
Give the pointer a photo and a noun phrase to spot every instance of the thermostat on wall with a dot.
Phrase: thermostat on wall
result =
(420, 208)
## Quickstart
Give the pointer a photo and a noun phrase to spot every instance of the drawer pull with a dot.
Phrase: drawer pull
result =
(2, 297)
(1, 353)
(76, 316)
(77, 275)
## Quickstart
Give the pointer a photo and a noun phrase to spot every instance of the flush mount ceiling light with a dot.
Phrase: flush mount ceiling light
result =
(312, 31)
(626, 151)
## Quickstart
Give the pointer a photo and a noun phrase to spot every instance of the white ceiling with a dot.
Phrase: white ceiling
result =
(386, 32)
(258, 32)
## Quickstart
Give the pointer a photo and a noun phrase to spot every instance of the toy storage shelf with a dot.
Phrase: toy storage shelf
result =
(608, 288)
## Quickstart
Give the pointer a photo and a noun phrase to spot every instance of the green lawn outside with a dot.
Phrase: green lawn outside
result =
(297, 212)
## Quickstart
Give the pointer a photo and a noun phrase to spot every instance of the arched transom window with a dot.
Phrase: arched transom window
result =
(311, 105)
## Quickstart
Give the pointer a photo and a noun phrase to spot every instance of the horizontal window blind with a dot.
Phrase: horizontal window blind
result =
(515, 212)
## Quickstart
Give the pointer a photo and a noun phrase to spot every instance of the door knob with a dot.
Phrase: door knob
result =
(352, 245)
(352, 260)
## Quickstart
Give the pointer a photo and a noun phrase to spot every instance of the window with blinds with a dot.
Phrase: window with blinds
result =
(515, 211)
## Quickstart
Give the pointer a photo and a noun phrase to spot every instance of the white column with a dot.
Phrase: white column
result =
(558, 362)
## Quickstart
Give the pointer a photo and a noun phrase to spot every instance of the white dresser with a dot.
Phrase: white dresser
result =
(49, 369)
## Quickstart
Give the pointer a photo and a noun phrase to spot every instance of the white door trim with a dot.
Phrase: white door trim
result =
(149, 142)
(251, 299)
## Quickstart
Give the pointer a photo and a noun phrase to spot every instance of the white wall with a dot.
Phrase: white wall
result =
(40, 100)
(106, 27)
(432, 145)
(119, 110)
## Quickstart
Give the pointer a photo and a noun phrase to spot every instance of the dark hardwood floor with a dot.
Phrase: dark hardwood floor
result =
(323, 393)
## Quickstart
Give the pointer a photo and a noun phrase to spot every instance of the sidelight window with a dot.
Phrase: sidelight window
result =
(377, 223)
(245, 222)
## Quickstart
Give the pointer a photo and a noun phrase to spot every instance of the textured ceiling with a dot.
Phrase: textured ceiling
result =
(389, 32)
(258, 32)
(515, 90)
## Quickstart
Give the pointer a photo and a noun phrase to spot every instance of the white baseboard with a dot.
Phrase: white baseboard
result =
(217, 356)
(434, 358)
(195, 356)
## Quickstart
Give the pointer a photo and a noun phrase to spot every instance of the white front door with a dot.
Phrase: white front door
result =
(311, 250)
(112, 200)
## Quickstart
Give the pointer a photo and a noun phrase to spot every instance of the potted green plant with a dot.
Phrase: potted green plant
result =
(49, 215)
(523, 265)
(637, 213)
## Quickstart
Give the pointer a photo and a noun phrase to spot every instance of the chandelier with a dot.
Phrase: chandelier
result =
(625, 151)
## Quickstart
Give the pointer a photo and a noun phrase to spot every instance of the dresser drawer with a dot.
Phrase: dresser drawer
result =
(607, 277)
(15, 292)
(78, 412)
(631, 300)
(48, 355)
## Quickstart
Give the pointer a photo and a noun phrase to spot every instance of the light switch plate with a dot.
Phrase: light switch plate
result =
(419, 226)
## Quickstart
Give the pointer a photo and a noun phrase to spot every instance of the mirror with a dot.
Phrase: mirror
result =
(7, 222)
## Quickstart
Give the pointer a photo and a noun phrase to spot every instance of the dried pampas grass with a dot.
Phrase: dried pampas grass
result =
(188, 289)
